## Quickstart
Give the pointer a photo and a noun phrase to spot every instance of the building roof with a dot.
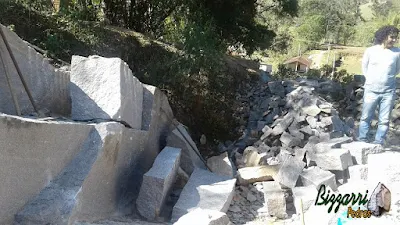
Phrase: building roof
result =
(299, 59)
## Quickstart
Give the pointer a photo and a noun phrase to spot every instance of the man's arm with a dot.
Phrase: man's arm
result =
(365, 61)
(398, 63)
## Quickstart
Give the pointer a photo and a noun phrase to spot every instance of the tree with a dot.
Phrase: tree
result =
(381, 8)
(234, 21)
(312, 29)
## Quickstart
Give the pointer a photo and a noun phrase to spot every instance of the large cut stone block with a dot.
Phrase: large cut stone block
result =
(49, 86)
(384, 168)
(290, 171)
(358, 172)
(157, 183)
(305, 195)
(204, 190)
(316, 176)
(157, 120)
(105, 88)
(249, 175)
(361, 150)
(274, 198)
(32, 154)
(191, 158)
(333, 159)
(93, 184)
(331, 144)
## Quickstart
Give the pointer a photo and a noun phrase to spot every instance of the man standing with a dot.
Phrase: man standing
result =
(380, 65)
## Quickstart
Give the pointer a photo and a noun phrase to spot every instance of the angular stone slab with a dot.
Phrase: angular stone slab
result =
(284, 124)
(289, 140)
(124, 222)
(221, 165)
(204, 217)
(94, 183)
(33, 153)
(105, 88)
(274, 198)
(361, 150)
(157, 183)
(333, 143)
(49, 86)
(204, 190)
(307, 195)
(249, 175)
(333, 159)
(157, 119)
(290, 171)
(358, 172)
(179, 138)
(316, 176)
(384, 168)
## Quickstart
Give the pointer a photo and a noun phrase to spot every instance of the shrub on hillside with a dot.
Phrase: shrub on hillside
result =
(313, 73)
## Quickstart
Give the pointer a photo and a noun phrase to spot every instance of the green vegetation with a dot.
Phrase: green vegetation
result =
(178, 46)
(348, 25)
(181, 46)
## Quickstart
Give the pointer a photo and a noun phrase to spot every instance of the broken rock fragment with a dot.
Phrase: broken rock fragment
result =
(221, 165)
(290, 171)
(205, 190)
(312, 110)
(316, 176)
(249, 175)
(289, 140)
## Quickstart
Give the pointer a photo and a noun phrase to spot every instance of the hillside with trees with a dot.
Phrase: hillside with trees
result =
(340, 23)
(201, 53)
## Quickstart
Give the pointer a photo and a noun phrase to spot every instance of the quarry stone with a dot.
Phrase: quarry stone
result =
(157, 183)
(204, 190)
(104, 88)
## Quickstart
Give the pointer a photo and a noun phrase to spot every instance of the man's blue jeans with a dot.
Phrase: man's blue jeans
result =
(385, 101)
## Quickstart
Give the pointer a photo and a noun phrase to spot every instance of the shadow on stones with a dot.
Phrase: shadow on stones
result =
(58, 199)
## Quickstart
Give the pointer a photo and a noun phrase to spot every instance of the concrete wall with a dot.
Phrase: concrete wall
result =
(49, 86)
(32, 154)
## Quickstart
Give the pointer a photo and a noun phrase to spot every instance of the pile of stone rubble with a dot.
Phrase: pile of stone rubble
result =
(273, 173)
(288, 156)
